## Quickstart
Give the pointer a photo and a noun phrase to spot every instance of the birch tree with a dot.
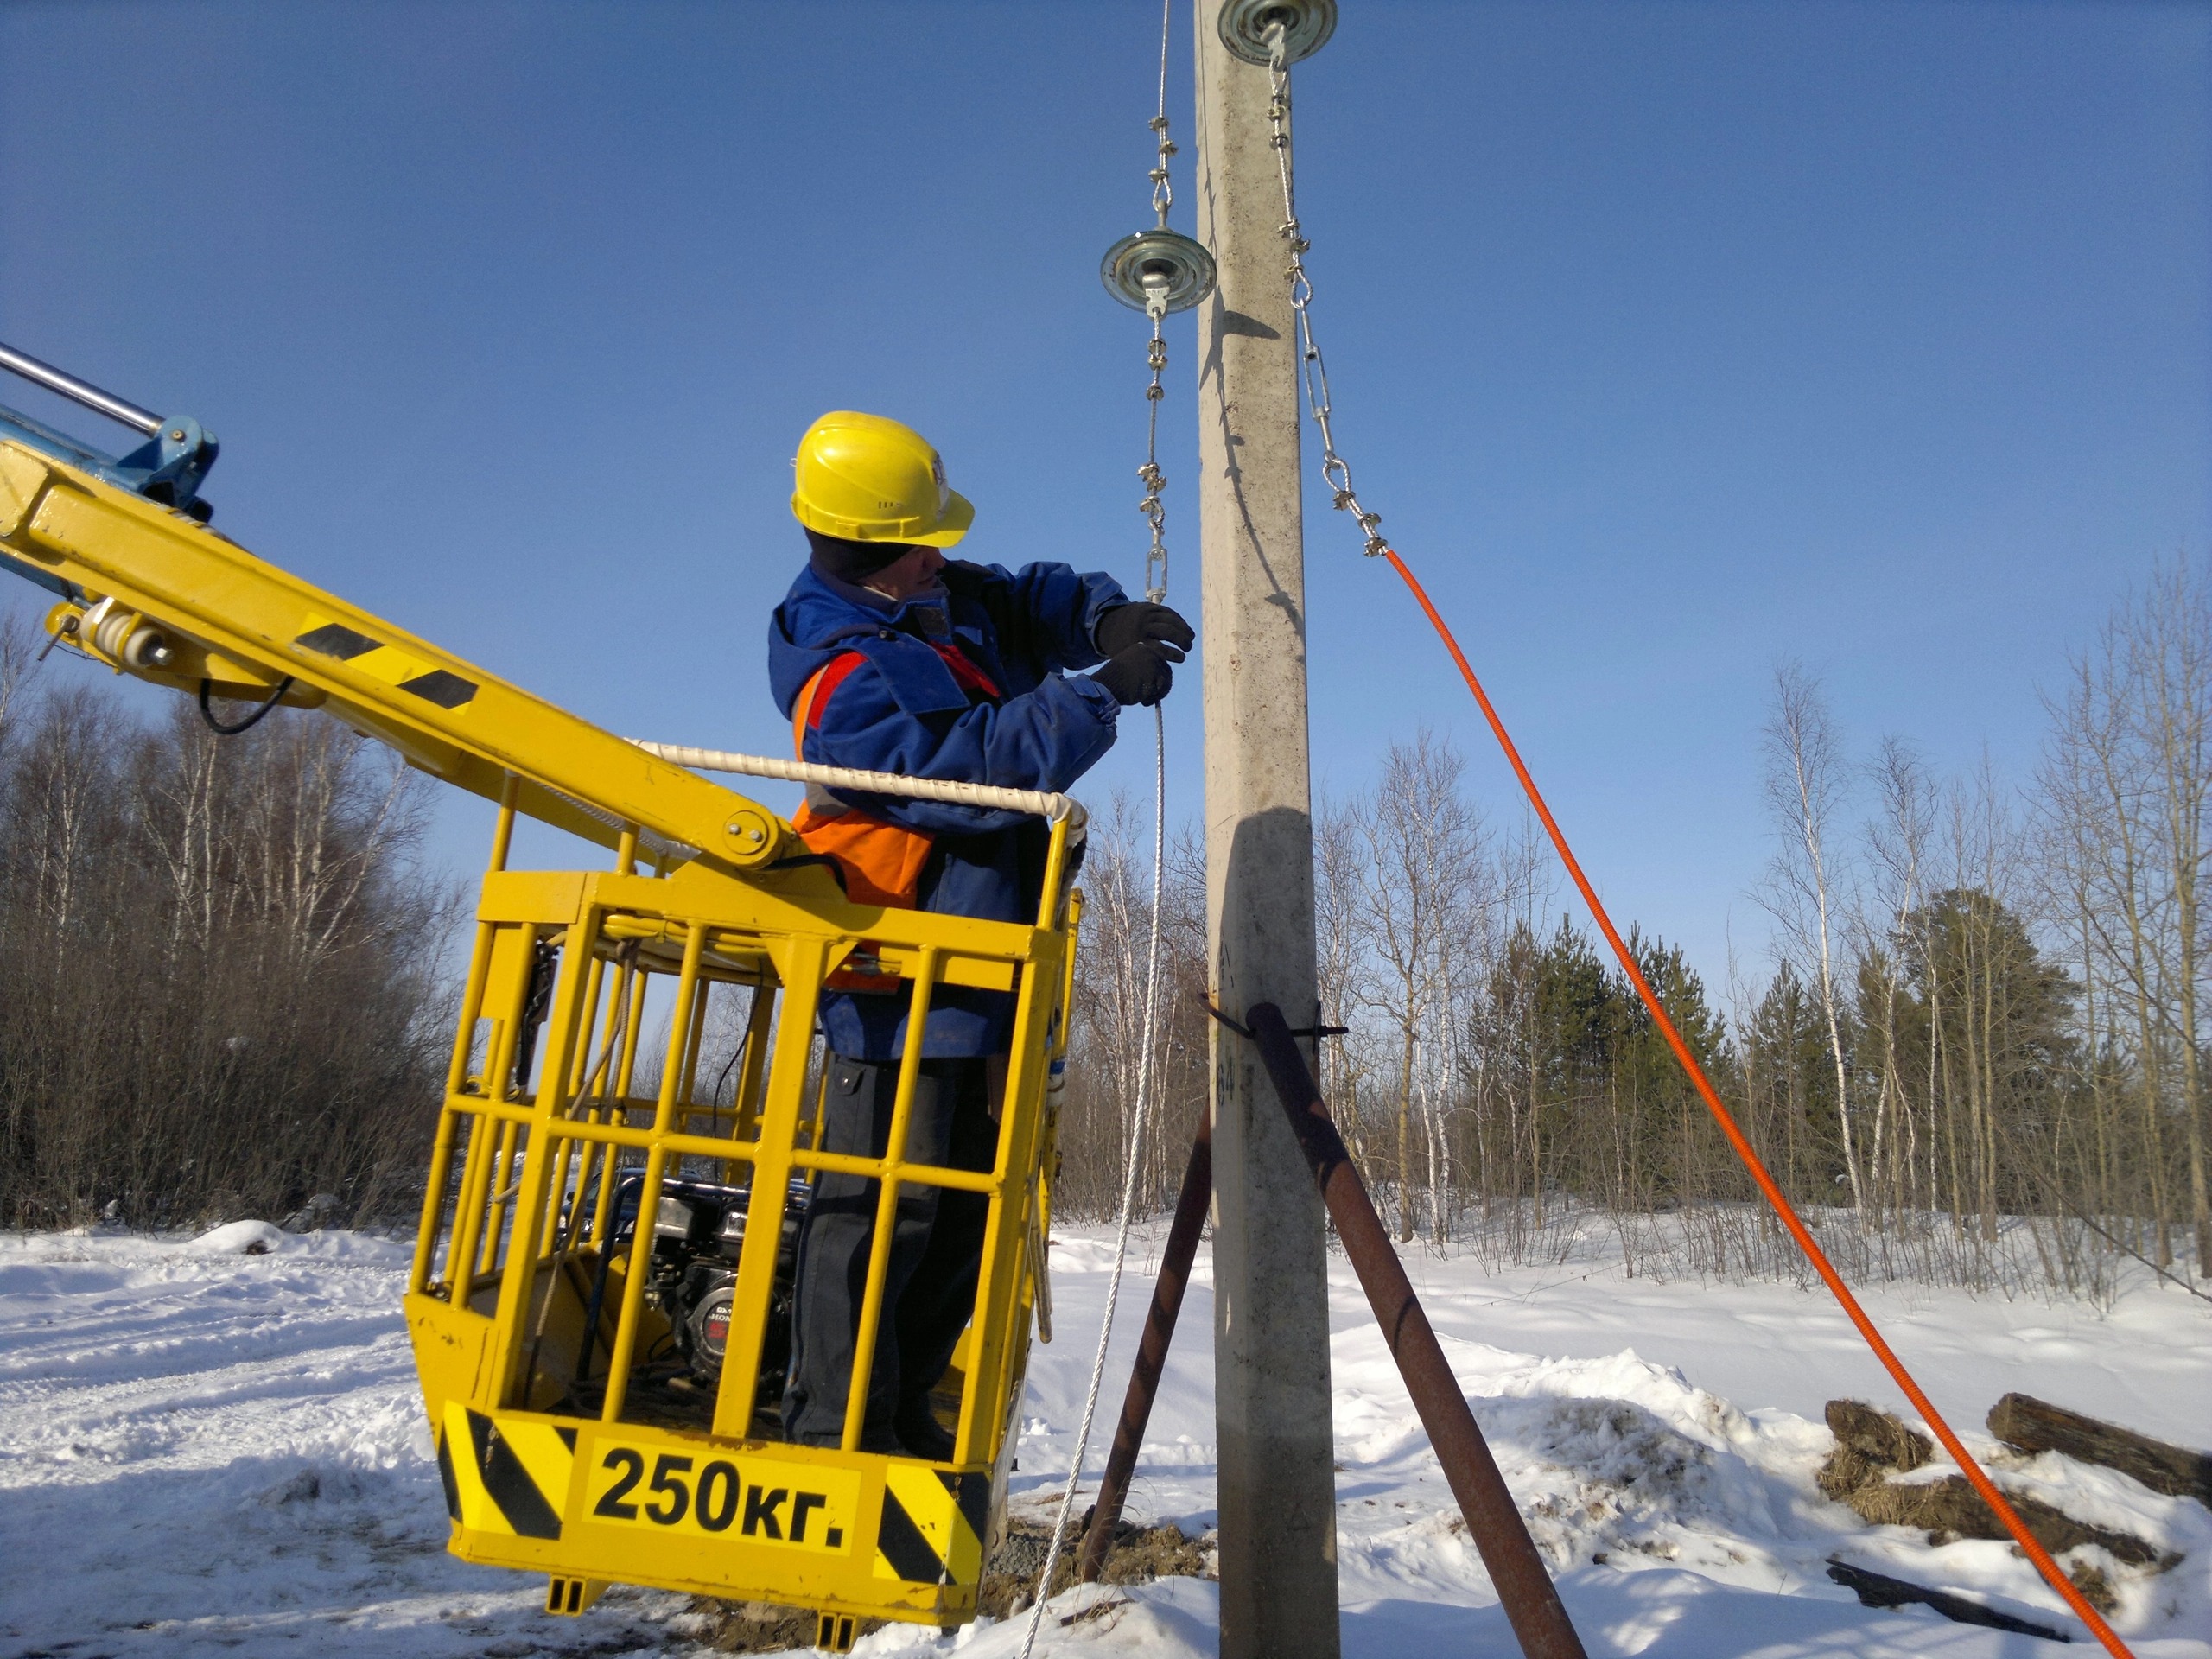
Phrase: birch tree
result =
(1805, 780)
(1420, 888)
(2127, 781)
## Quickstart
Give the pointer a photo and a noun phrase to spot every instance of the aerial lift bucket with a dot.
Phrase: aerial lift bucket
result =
(573, 1437)
(574, 1148)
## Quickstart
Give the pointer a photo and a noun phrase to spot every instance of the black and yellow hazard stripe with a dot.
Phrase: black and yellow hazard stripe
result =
(509, 1476)
(390, 665)
(933, 1524)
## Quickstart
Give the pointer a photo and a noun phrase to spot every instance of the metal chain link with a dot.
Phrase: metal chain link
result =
(1155, 293)
(1155, 558)
(1334, 471)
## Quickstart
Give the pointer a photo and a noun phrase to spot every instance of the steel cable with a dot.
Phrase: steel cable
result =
(1155, 591)
(1137, 1117)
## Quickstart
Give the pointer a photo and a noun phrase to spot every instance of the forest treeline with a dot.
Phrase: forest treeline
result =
(220, 991)
(1976, 1055)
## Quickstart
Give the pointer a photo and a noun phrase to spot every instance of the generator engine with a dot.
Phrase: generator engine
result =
(698, 1235)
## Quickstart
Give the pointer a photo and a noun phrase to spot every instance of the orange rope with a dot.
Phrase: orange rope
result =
(1818, 1257)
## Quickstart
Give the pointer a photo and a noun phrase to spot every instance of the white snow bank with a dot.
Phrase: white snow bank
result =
(240, 1239)
(205, 1451)
(1662, 1439)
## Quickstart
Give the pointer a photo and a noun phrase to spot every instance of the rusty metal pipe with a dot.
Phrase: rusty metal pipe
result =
(1152, 1351)
(1532, 1602)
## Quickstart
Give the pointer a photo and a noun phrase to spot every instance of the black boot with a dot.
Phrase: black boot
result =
(920, 1433)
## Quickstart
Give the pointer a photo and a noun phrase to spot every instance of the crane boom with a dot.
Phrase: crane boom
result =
(245, 626)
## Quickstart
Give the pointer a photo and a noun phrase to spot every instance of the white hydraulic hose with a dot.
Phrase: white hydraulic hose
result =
(1128, 1180)
(1044, 804)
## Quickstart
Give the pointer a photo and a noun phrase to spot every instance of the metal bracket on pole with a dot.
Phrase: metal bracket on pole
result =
(1532, 1602)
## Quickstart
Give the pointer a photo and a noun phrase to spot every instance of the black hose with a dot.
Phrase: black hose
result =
(597, 1301)
(251, 720)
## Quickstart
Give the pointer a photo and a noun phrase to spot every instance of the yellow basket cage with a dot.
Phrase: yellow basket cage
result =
(563, 1446)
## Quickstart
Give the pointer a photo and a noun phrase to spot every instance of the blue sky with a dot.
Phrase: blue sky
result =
(1672, 340)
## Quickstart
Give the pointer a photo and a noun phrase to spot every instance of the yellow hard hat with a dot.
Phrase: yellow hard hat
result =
(867, 478)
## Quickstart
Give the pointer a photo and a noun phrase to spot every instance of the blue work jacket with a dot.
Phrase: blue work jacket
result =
(903, 710)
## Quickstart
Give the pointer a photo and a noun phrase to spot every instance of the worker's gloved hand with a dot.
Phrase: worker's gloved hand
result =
(1140, 673)
(1139, 622)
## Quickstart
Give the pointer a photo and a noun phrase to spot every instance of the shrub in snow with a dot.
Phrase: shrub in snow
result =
(317, 1213)
(239, 1238)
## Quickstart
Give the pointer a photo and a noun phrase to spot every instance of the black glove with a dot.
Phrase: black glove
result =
(1138, 673)
(1124, 626)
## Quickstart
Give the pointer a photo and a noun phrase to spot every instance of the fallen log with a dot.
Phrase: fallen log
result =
(2032, 1424)
(1880, 1590)
(1870, 1445)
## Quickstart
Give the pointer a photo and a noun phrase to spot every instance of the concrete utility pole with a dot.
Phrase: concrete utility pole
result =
(1271, 1318)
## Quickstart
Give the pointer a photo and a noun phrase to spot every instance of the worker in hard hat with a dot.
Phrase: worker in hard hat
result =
(889, 656)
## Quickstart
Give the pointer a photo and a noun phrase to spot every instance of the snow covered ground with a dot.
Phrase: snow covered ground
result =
(204, 1451)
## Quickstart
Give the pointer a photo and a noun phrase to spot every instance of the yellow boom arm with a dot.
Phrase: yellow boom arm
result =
(245, 626)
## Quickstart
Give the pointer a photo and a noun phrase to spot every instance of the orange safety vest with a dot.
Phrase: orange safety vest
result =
(881, 861)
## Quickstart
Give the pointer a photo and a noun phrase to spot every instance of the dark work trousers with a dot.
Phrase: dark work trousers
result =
(937, 1246)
